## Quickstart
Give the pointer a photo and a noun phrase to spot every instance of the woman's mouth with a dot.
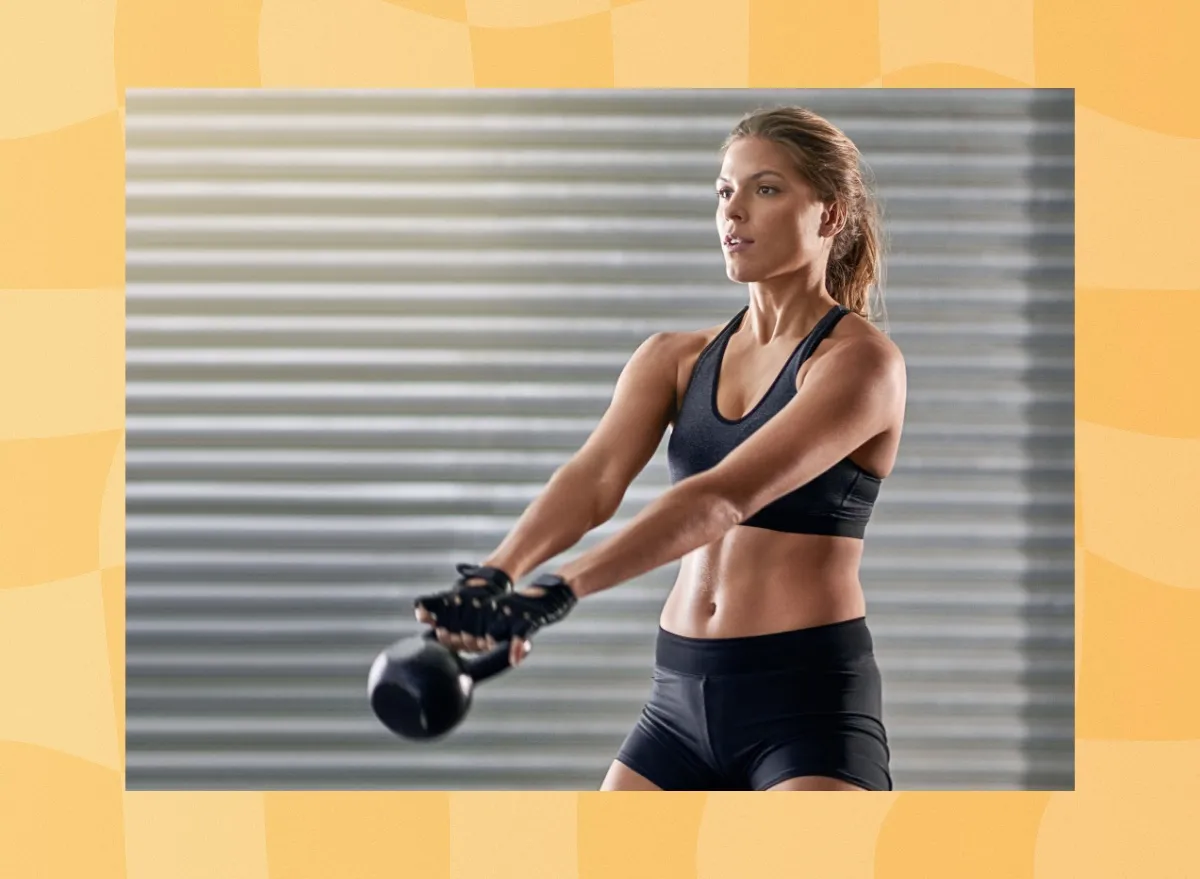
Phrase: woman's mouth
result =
(736, 244)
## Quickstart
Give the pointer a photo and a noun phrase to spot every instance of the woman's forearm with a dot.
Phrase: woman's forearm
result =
(565, 510)
(687, 516)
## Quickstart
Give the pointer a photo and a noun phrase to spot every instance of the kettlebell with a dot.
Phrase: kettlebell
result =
(421, 689)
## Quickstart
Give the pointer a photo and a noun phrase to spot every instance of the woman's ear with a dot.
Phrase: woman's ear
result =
(833, 219)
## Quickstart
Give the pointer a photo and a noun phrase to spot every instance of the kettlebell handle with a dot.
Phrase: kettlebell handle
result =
(484, 666)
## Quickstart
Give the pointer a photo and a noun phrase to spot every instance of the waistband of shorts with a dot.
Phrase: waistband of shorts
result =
(827, 645)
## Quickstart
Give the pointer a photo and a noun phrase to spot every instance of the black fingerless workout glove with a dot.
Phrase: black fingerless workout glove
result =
(518, 616)
(464, 609)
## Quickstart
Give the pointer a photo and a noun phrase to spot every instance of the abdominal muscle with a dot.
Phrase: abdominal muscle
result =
(752, 581)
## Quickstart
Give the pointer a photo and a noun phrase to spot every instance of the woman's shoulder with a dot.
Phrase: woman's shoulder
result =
(855, 347)
(679, 350)
(688, 342)
(856, 335)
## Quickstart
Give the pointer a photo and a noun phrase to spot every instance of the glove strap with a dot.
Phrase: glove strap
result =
(559, 596)
(499, 583)
(519, 615)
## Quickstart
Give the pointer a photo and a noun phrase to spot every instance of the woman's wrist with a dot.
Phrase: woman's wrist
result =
(507, 565)
(574, 580)
(491, 575)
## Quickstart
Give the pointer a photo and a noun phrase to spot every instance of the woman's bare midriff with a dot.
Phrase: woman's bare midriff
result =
(756, 582)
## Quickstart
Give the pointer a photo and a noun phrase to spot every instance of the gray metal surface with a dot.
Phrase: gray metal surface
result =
(365, 327)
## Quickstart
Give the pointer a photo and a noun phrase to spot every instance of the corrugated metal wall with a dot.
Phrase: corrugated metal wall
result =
(365, 327)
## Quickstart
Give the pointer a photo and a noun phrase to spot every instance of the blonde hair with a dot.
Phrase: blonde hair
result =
(834, 167)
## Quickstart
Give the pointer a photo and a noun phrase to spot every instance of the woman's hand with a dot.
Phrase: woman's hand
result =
(479, 625)
(455, 613)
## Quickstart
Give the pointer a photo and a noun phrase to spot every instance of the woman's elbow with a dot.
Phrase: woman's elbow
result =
(715, 502)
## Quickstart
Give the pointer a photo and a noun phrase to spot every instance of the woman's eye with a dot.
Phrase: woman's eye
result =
(724, 193)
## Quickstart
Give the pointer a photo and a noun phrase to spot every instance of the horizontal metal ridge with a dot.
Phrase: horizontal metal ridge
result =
(190, 660)
(429, 461)
(462, 255)
(546, 160)
(419, 225)
(164, 701)
(410, 491)
(501, 735)
(632, 298)
(982, 633)
(633, 596)
(685, 126)
(461, 397)
(556, 326)
(608, 192)
(365, 522)
(450, 424)
(356, 562)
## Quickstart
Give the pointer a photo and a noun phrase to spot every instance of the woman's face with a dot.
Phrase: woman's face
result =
(772, 212)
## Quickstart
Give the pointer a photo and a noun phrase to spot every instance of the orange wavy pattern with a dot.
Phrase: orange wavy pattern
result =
(63, 71)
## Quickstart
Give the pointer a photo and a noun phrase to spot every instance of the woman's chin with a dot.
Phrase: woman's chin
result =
(738, 274)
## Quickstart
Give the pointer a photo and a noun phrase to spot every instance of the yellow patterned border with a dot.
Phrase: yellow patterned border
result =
(64, 66)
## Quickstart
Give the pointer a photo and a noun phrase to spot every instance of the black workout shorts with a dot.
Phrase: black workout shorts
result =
(748, 713)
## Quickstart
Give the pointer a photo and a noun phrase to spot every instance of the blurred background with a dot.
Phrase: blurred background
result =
(364, 328)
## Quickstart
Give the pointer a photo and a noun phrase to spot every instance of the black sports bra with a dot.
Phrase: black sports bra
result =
(838, 502)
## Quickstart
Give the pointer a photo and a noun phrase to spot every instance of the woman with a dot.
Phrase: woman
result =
(785, 421)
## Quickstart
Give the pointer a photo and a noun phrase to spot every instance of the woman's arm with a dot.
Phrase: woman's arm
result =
(851, 395)
(690, 514)
(565, 510)
(587, 490)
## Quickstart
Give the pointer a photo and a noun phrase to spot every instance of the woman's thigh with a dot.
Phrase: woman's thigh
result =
(621, 777)
(814, 782)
